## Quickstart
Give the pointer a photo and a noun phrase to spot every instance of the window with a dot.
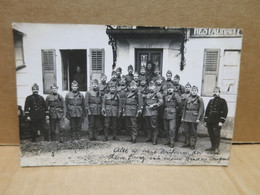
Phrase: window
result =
(18, 48)
(210, 71)
(48, 69)
(97, 60)
(74, 67)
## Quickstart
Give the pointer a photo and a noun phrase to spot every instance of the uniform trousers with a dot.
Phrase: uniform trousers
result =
(214, 134)
(38, 124)
(170, 128)
(152, 127)
(110, 123)
(131, 124)
(190, 131)
(56, 133)
(76, 125)
(93, 125)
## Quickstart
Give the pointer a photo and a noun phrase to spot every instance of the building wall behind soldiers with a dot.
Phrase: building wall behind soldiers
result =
(55, 36)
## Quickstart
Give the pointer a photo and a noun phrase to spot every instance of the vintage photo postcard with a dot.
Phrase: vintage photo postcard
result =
(104, 94)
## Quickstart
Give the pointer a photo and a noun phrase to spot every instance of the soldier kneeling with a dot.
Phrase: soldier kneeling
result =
(172, 102)
(133, 109)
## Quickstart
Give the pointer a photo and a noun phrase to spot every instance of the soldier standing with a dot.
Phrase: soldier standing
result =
(142, 75)
(122, 91)
(215, 116)
(133, 109)
(75, 110)
(118, 73)
(113, 80)
(149, 71)
(93, 109)
(152, 101)
(157, 74)
(129, 77)
(136, 78)
(56, 105)
(142, 89)
(192, 115)
(111, 109)
(167, 82)
(36, 112)
(179, 89)
(172, 102)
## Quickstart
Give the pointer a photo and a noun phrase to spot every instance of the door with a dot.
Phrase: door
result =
(142, 56)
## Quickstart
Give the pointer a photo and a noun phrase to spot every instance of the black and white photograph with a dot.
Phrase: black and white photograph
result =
(111, 94)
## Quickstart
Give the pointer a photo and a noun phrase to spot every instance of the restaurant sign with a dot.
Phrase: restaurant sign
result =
(215, 32)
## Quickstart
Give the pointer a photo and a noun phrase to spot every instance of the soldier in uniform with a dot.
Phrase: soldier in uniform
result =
(215, 116)
(113, 80)
(152, 101)
(75, 109)
(136, 78)
(172, 102)
(192, 115)
(157, 74)
(184, 97)
(149, 71)
(56, 105)
(122, 91)
(93, 109)
(132, 109)
(179, 89)
(118, 73)
(111, 109)
(129, 77)
(36, 112)
(167, 82)
(142, 89)
(142, 75)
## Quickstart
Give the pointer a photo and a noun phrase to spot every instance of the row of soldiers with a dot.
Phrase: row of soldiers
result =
(136, 99)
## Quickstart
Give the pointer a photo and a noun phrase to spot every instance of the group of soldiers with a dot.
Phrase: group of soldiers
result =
(146, 100)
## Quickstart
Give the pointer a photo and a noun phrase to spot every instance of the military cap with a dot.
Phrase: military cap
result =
(113, 73)
(160, 78)
(35, 86)
(54, 85)
(156, 68)
(195, 87)
(142, 67)
(75, 83)
(123, 80)
(169, 72)
(103, 75)
(177, 76)
(217, 88)
(130, 67)
(119, 69)
(95, 81)
(133, 84)
(188, 84)
(112, 84)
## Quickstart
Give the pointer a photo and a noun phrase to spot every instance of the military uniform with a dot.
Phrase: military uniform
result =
(75, 108)
(193, 111)
(56, 106)
(130, 76)
(103, 88)
(93, 109)
(111, 108)
(172, 103)
(143, 90)
(151, 102)
(35, 107)
(132, 108)
(216, 112)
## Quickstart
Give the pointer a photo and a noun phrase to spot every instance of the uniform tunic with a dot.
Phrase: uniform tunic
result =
(103, 88)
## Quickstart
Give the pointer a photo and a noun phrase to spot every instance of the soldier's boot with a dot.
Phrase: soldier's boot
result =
(116, 138)
(105, 139)
(167, 143)
(155, 140)
(187, 144)
(172, 143)
(192, 144)
(216, 151)
(90, 136)
(210, 149)
(133, 139)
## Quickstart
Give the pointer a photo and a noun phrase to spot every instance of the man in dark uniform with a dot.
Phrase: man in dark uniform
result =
(184, 97)
(152, 101)
(75, 110)
(142, 75)
(172, 102)
(136, 78)
(132, 109)
(215, 116)
(56, 105)
(149, 71)
(103, 89)
(111, 109)
(179, 89)
(122, 90)
(157, 74)
(93, 109)
(36, 112)
(118, 74)
(80, 77)
(142, 89)
(113, 80)
(129, 77)
(167, 82)
(192, 115)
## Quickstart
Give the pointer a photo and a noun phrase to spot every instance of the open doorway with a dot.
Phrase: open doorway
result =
(74, 67)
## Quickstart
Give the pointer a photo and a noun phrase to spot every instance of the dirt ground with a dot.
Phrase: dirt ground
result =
(85, 152)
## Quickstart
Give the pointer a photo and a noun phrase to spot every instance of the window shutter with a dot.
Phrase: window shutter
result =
(48, 69)
(211, 63)
(97, 60)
